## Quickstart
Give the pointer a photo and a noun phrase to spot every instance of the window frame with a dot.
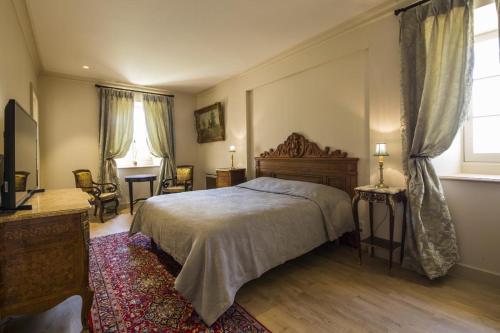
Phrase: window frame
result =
(468, 142)
(124, 162)
(469, 155)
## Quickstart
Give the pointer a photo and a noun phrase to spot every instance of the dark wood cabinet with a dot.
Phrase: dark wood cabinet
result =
(230, 177)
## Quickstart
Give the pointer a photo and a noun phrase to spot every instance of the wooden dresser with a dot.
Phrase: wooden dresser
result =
(230, 177)
(44, 255)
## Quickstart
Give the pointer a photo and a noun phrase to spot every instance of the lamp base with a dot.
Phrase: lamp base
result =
(381, 170)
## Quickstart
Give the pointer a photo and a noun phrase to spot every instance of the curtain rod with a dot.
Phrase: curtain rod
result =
(134, 90)
(404, 9)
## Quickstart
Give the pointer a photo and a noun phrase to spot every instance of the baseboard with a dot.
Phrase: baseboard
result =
(476, 274)
(459, 270)
(125, 206)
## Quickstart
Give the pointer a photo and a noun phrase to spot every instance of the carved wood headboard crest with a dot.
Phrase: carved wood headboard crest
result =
(300, 159)
(296, 146)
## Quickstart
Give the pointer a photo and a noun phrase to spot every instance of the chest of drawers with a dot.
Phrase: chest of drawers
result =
(44, 256)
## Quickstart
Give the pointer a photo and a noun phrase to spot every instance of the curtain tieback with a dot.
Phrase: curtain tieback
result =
(419, 156)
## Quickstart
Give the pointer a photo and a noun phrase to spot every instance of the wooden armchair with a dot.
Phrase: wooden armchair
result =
(182, 182)
(21, 180)
(100, 193)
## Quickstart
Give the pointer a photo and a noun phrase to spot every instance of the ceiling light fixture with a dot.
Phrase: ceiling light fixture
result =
(85, 67)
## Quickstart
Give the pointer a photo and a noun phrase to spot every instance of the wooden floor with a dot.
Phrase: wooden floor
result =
(328, 291)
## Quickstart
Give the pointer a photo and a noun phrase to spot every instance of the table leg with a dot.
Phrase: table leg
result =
(131, 197)
(151, 187)
(355, 215)
(372, 249)
(403, 234)
(391, 231)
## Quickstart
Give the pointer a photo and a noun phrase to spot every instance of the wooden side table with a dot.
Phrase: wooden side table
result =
(230, 177)
(389, 196)
(135, 179)
(211, 181)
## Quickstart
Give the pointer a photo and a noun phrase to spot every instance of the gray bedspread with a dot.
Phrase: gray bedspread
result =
(227, 237)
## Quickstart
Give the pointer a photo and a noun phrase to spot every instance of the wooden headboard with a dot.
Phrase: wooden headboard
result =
(299, 159)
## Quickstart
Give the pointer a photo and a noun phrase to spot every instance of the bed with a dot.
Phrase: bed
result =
(226, 237)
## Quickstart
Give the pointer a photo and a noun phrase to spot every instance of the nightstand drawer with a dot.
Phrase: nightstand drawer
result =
(223, 179)
(230, 177)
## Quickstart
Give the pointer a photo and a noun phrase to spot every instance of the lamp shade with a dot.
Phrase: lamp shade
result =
(381, 149)
(232, 148)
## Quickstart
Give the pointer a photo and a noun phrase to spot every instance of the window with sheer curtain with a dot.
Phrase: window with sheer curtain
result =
(482, 129)
(139, 154)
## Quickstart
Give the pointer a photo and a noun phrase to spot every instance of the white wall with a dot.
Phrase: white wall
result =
(69, 133)
(17, 68)
(372, 81)
(68, 130)
(330, 113)
(475, 209)
(342, 90)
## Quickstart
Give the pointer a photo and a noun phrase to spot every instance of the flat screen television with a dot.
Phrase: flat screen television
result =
(20, 160)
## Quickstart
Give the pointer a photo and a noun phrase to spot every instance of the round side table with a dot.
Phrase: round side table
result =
(138, 179)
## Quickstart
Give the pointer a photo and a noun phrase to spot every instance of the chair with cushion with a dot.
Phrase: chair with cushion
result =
(182, 182)
(100, 193)
(21, 180)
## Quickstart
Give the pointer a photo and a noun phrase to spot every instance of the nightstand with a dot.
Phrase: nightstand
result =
(211, 181)
(390, 196)
(230, 177)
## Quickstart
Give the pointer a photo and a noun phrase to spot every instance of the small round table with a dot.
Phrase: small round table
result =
(137, 179)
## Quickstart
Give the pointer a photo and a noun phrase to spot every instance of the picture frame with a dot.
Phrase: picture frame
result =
(210, 123)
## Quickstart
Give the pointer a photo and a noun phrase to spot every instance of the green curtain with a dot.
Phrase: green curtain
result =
(159, 123)
(436, 42)
(116, 131)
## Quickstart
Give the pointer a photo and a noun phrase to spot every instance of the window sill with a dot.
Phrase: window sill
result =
(472, 177)
(142, 166)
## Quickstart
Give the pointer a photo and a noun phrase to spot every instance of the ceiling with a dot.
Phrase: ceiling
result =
(182, 45)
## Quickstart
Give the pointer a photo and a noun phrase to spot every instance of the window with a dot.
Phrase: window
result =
(139, 154)
(482, 129)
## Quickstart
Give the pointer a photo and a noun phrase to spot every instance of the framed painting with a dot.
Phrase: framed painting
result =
(210, 123)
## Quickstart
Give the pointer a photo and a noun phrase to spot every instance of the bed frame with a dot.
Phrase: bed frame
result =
(300, 159)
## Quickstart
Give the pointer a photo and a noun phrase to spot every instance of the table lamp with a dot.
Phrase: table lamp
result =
(232, 150)
(381, 151)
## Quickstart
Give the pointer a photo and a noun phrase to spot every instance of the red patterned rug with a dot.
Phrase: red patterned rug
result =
(134, 292)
